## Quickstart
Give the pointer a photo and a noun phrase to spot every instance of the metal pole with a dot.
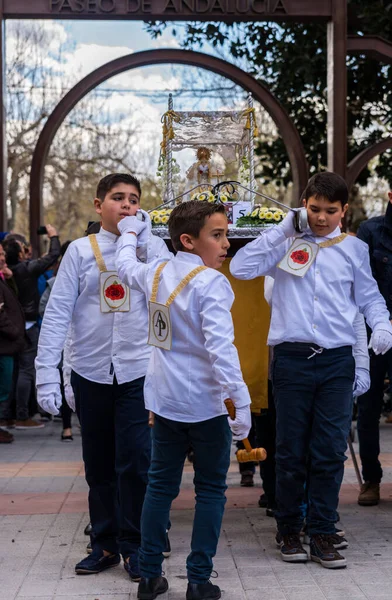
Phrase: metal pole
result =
(3, 139)
(169, 167)
(251, 132)
(355, 462)
(337, 88)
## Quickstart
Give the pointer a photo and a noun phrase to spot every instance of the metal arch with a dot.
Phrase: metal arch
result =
(260, 92)
(373, 46)
(359, 162)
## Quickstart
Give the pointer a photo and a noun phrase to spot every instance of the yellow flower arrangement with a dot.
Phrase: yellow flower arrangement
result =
(160, 217)
(260, 216)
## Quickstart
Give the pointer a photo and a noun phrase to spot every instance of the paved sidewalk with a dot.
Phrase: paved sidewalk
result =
(43, 513)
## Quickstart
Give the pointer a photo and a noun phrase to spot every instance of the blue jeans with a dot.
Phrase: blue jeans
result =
(369, 412)
(6, 372)
(116, 444)
(211, 442)
(313, 399)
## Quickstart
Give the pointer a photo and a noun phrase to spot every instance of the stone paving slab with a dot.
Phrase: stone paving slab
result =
(43, 514)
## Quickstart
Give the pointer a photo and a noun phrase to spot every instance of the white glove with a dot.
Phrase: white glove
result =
(69, 396)
(362, 381)
(288, 225)
(242, 423)
(49, 397)
(134, 225)
(381, 340)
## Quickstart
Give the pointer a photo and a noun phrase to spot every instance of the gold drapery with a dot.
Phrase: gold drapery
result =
(251, 317)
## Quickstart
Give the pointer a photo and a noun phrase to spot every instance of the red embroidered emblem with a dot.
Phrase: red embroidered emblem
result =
(300, 256)
(115, 291)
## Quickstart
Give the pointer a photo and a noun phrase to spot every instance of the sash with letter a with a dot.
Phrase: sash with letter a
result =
(160, 328)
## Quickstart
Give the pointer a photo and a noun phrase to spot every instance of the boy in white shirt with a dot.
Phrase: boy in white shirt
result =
(194, 368)
(313, 370)
(109, 357)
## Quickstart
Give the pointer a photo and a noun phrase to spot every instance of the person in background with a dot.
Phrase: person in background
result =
(377, 234)
(12, 341)
(26, 274)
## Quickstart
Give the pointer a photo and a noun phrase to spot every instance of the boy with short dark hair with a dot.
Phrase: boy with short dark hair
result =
(194, 368)
(109, 357)
(322, 278)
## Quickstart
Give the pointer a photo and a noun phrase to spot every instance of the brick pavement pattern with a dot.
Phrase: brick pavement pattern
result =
(43, 504)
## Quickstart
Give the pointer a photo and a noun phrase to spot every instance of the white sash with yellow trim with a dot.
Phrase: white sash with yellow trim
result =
(302, 253)
(114, 295)
(160, 327)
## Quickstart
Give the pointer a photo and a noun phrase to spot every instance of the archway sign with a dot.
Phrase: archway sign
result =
(332, 12)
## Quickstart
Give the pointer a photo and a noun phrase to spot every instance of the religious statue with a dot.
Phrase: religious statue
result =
(204, 171)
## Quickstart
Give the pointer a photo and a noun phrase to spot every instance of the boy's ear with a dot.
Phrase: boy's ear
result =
(304, 202)
(97, 205)
(187, 241)
(345, 207)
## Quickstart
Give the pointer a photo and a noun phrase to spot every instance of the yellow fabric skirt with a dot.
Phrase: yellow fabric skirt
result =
(251, 317)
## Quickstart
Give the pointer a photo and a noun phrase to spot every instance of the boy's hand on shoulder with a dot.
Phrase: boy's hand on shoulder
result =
(134, 225)
(49, 397)
(381, 339)
(287, 225)
(242, 423)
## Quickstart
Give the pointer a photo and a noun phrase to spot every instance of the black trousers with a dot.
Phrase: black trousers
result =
(369, 412)
(116, 445)
(313, 400)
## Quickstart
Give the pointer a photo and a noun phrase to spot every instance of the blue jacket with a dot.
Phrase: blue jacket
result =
(377, 233)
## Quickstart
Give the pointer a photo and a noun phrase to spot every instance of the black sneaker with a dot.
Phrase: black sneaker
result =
(291, 549)
(131, 565)
(203, 591)
(167, 551)
(97, 562)
(150, 588)
(337, 540)
(323, 552)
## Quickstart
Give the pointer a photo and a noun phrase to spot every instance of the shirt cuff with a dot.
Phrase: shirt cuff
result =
(240, 396)
(362, 362)
(47, 375)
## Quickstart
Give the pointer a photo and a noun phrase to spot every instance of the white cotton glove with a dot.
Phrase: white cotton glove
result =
(69, 396)
(287, 225)
(49, 397)
(381, 339)
(134, 225)
(242, 423)
(362, 381)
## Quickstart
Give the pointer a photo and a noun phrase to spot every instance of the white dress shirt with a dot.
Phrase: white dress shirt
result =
(190, 382)
(321, 306)
(102, 345)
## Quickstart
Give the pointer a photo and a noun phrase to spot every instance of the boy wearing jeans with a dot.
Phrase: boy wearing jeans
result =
(193, 369)
(313, 371)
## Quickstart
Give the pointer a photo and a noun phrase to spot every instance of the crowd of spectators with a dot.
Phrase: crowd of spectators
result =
(23, 280)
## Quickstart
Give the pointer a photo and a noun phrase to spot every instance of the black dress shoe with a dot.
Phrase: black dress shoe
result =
(203, 591)
(150, 587)
(88, 529)
(97, 562)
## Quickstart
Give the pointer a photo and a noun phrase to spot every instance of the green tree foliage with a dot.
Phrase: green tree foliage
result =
(291, 59)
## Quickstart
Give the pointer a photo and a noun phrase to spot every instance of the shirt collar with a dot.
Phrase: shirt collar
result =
(329, 236)
(188, 257)
(106, 235)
